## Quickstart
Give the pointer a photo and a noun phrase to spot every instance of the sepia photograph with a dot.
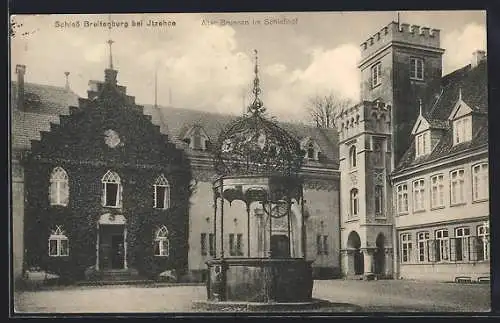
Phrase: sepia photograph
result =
(249, 162)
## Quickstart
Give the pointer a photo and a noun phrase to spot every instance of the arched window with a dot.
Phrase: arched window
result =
(161, 243)
(354, 201)
(483, 243)
(111, 190)
(58, 243)
(352, 156)
(161, 193)
(59, 188)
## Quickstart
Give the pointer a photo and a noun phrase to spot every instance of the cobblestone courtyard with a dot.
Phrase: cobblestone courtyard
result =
(372, 296)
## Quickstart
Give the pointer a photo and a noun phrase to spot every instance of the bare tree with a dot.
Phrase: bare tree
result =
(323, 109)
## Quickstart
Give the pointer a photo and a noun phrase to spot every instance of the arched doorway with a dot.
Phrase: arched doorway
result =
(379, 256)
(354, 243)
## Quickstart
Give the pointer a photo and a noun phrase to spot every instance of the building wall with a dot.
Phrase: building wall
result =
(468, 214)
(467, 210)
(443, 270)
(17, 219)
(323, 205)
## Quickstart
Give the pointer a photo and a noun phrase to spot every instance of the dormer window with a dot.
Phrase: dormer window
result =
(311, 149)
(197, 139)
(416, 68)
(376, 74)
(462, 130)
(422, 144)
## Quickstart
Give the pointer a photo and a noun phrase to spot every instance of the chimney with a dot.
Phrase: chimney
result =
(477, 57)
(20, 71)
(66, 74)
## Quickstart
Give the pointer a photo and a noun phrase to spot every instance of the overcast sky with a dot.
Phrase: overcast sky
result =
(210, 67)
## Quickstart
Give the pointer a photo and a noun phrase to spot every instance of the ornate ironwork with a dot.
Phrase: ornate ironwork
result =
(254, 145)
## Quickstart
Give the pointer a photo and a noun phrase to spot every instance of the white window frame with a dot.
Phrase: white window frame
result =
(162, 243)
(437, 191)
(402, 198)
(58, 235)
(111, 178)
(414, 65)
(483, 234)
(422, 144)
(406, 245)
(376, 74)
(462, 233)
(480, 182)
(462, 130)
(457, 186)
(423, 245)
(418, 195)
(443, 241)
(59, 187)
(161, 181)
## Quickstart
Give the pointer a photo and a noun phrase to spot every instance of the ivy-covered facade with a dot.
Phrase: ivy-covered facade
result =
(133, 221)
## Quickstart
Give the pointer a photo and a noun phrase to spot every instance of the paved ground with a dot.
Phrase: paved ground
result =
(372, 296)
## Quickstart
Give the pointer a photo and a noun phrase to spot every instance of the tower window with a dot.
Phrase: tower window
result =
(376, 74)
(354, 202)
(379, 199)
(416, 68)
(352, 156)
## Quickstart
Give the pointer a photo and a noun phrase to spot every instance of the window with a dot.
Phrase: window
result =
(203, 242)
(161, 193)
(437, 191)
(462, 237)
(322, 244)
(457, 194)
(58, 243)
(462, 130)
(379, 199)
(442, 245)
(376, 74)
(483, 243)
(162, 245)
(352, 156)
(111, 189)
(423, 246)
(416, 68)
(406, 248)
(480, 182)
(422, 144)
(211, 244)
(354, 201)
(378, 156)
(59, 189)
(402, 198)
(236, 245)
(419, 195)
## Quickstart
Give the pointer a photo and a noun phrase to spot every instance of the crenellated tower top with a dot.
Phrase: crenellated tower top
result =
(403, 33)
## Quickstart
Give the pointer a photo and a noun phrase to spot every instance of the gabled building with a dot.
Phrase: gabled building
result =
(441, 184)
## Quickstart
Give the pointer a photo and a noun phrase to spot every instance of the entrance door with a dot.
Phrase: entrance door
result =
(111, 248)
(280, 246)
(117, 251)
(358, 262)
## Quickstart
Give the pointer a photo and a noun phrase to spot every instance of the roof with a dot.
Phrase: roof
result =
(176, 121)
(48, 102)
(43, 106)
(472, 83)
